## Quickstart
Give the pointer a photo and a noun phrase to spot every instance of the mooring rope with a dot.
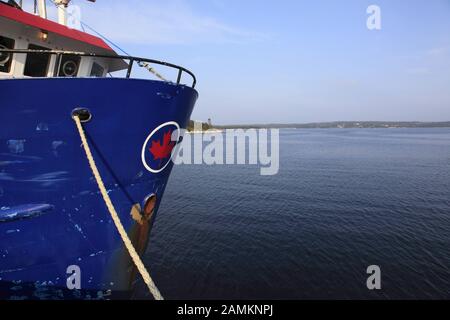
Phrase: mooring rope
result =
(147, 66)
(126, 240)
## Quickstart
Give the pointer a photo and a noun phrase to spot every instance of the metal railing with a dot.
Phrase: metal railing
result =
(131, 60)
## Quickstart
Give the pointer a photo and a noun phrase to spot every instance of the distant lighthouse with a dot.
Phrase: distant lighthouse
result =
(209, 122)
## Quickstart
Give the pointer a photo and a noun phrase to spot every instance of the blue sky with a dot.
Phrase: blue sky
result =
(294, 61)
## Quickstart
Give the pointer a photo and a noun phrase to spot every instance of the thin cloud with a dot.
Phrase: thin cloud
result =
(418, 71)
(439, 51)
(171, 22)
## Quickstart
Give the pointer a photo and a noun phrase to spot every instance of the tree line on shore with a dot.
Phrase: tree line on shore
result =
(335, 124)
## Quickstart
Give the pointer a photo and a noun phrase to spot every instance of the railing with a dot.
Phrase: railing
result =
(131, 60)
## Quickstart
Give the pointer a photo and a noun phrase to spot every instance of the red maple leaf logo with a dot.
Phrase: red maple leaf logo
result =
(162, 151)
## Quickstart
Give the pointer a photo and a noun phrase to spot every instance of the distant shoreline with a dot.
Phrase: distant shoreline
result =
(340, 125)
(207, 131)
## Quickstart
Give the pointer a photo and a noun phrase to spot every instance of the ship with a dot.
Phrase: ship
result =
(53, 218)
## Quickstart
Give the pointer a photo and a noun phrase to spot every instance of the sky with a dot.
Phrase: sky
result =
(294, 61)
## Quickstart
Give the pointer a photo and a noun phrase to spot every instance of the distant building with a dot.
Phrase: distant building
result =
(209, 122)
(199, 125)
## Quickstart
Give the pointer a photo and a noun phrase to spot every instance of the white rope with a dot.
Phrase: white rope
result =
(147, 66)
(131, 250)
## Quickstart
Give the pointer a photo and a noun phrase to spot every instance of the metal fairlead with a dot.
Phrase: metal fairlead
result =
(82, 113)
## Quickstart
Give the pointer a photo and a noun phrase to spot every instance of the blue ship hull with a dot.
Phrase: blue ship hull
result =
(51, 213)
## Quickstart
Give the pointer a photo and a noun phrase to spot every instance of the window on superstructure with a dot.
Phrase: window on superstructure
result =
(97, 70)
(6, 58)
(37, 63)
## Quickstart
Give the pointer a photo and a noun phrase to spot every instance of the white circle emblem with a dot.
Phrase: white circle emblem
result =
(144, 162)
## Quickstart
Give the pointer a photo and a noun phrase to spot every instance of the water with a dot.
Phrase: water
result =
(343, 200)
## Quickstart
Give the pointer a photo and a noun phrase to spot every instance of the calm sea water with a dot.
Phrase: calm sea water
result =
(343, 200)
